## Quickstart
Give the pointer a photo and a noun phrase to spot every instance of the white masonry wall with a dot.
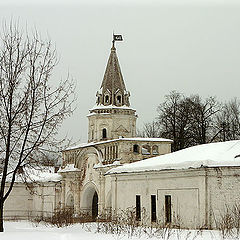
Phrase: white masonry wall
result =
(200, 197)
(19, 203)
(187, 190)
(223, 192)
(41, 202)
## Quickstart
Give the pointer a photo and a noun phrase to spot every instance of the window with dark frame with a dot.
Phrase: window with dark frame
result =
(168, 209)
(104, 133)
(138, 208)
(153, 208)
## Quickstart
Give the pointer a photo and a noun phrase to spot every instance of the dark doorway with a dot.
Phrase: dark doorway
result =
(95, 206)
(168, 209)
(153, 208)
(138, 208)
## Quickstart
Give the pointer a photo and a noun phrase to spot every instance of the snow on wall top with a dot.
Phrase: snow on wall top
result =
(205, 155)
(120, 139)
(40, 174)
(69, 168)
(101, 106)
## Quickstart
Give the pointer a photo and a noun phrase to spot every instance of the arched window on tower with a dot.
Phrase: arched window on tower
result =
(104, 133)
(119, 99)
(107, 99)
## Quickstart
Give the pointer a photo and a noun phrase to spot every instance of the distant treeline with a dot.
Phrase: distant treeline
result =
(192, 120)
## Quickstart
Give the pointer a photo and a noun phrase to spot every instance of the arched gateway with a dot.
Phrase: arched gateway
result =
(89, 203)
(95, 206)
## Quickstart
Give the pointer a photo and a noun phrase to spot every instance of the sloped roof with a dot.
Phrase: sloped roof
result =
(205, 155)
(137, 139)
(113, 79)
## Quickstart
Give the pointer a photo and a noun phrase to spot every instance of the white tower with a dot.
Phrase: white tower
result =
(112, 117)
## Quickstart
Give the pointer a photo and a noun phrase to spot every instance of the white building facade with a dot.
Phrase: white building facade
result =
(112, 142)
(115, 170)
(191, 188)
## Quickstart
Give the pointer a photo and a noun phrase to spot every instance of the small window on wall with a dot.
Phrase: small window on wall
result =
(135, 148)
(168, 209)
(153, 208)
(138, 208)
(104, 133)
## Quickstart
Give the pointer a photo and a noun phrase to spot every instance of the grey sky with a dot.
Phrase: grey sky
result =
(188, 46)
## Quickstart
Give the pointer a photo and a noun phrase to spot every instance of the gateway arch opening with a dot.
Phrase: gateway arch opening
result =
(89, 203)
(95, 206)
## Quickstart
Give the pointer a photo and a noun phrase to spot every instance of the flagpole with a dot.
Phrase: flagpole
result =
(113, 41)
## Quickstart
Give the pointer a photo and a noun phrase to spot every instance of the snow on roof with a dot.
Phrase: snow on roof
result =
(147, 139)
(205, 155)
(81, 145)
(69, 168)
(41, 174)
(111, 106)
(114, 164)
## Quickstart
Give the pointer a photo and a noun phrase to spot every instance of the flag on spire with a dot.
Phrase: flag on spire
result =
(117, 37)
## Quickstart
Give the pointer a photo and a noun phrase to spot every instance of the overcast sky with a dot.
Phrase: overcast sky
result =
(189, 46)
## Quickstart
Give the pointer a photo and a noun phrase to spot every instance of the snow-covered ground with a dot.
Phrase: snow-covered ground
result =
(24, 230)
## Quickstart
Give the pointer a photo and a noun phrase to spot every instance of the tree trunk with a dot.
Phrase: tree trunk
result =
(1, 216)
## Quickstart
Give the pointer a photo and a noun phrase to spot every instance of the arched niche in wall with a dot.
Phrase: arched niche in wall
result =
(83, 155)
(70, 201)
(109, 202)
(146, 150)
(155, 150)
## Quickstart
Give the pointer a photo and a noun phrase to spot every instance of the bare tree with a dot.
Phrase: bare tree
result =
(150, 130)
(203, 118)
(31, 108)
(188, 121)
(227, 124)
(191, 120)
(174, 119)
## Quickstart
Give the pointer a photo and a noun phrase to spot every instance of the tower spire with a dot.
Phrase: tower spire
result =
(113, 90)
(112, 116)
